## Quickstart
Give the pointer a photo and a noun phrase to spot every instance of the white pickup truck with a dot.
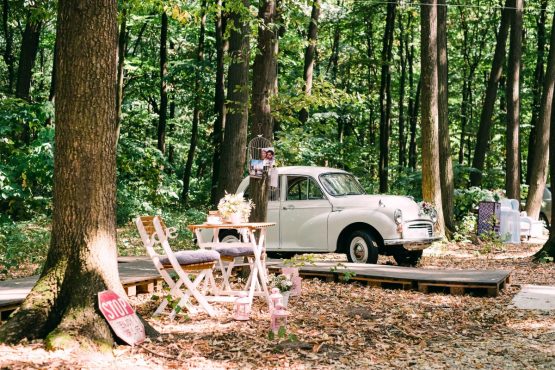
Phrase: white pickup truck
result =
(319, 209)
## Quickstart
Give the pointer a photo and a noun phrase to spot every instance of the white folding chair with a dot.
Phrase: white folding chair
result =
(198, 262)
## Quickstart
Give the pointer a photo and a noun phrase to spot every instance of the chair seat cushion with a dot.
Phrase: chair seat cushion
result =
(235, 250)
(192, 257)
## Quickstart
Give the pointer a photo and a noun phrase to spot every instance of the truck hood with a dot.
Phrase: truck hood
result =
(389, 203)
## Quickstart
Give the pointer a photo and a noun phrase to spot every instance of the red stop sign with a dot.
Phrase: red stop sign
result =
(121, 317)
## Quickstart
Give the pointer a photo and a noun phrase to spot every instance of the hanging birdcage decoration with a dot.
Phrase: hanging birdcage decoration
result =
(261, 156)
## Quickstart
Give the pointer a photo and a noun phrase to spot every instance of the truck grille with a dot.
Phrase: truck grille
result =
(426, 226)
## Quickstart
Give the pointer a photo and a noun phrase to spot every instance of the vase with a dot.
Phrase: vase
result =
(235, 218)
(285, 298)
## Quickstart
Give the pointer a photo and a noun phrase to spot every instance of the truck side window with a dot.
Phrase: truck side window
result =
(303, 188)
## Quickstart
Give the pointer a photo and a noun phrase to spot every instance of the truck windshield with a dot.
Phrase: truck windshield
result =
(339, 184)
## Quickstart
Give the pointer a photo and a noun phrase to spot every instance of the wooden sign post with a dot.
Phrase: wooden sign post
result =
(121, 317)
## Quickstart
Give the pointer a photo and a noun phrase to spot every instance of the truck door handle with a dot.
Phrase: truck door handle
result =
(288, 208)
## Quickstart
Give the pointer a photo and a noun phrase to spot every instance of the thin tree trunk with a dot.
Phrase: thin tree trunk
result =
(334, 58)
(8, 48)
(403, 46)
(219, 102)
(538, 177)
(263, 88)
(431, 187)
(445, 162)
(512, 172)
(235, 135)
(413, 124)
(82, 259)
(484, 130)
(122, 50)
(385, 97)
(310, 55)
(197, 91)
(534, 136)
(370, 78)
(163, 112)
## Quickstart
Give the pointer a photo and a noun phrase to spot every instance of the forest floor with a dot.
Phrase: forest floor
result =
(348, 326)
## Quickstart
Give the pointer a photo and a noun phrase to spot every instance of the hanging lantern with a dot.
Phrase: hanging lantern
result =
(242, 307)
(275, 299)
(278, 318)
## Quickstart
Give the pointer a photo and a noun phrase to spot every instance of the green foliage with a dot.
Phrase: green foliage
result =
(467, 200)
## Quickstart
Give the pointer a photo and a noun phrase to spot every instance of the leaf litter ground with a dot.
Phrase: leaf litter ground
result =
(347, 326)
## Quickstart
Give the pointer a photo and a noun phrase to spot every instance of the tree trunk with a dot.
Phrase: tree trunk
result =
(82, 259)
(445, 162)
(385, 97)
(163, 111)
(235, 135)
(310, 55)
(538, 177)
(536, 90)
(512, 172)
(197, 91)
(27, 58)
(122, 50)
(263, 87)
(403, 48)
(334, 57)
(219, 102)
(431, 187)
(413, 122)
(8, 48)
(484, 130)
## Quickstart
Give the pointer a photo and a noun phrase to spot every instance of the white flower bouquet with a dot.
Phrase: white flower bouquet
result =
(282, 282)
(235, 204)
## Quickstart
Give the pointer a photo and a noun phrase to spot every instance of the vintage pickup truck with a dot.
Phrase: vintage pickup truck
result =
(320, 209)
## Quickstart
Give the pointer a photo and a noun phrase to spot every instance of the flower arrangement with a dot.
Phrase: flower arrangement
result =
(427, 209)
(235, 203)
(282, 282)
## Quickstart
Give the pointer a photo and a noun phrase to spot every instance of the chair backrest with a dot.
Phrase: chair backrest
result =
(149, 236)
(506, 203)
(515, 205)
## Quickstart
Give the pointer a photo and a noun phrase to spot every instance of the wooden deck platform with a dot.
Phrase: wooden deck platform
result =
(137, 274)
(478, 282)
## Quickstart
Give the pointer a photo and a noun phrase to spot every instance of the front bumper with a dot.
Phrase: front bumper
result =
(413, 243)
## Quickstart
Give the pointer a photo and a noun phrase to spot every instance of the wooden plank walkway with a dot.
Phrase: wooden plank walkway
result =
(137, 275)
(479, 282)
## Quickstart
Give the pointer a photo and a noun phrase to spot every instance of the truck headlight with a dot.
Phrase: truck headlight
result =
(398, 216)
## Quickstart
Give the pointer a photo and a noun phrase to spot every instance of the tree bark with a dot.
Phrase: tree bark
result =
(445, 161)
(413, 124)
(263, 88)
(431, 187)
(235, 135)
(8, 49)
(163, 111)
(484, 130)
(385, 97)
(197, 91)
(537, 90)
(310, 55)
(82, 259)
(403, 51)
(219, 102)
(512, 172)
(538, 177)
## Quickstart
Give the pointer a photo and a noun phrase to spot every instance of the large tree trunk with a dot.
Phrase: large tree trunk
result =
(122, 50)
(484, 130)
(431, 187)
(512, 171)
(445, 162)
(263, 87)
(385, 97)
(8, 48)
(82, 259)
(197, 92)
(538, 177)
(537, 90)
(163, 110)
(310, 55)
(235, 135)
(219, 102)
